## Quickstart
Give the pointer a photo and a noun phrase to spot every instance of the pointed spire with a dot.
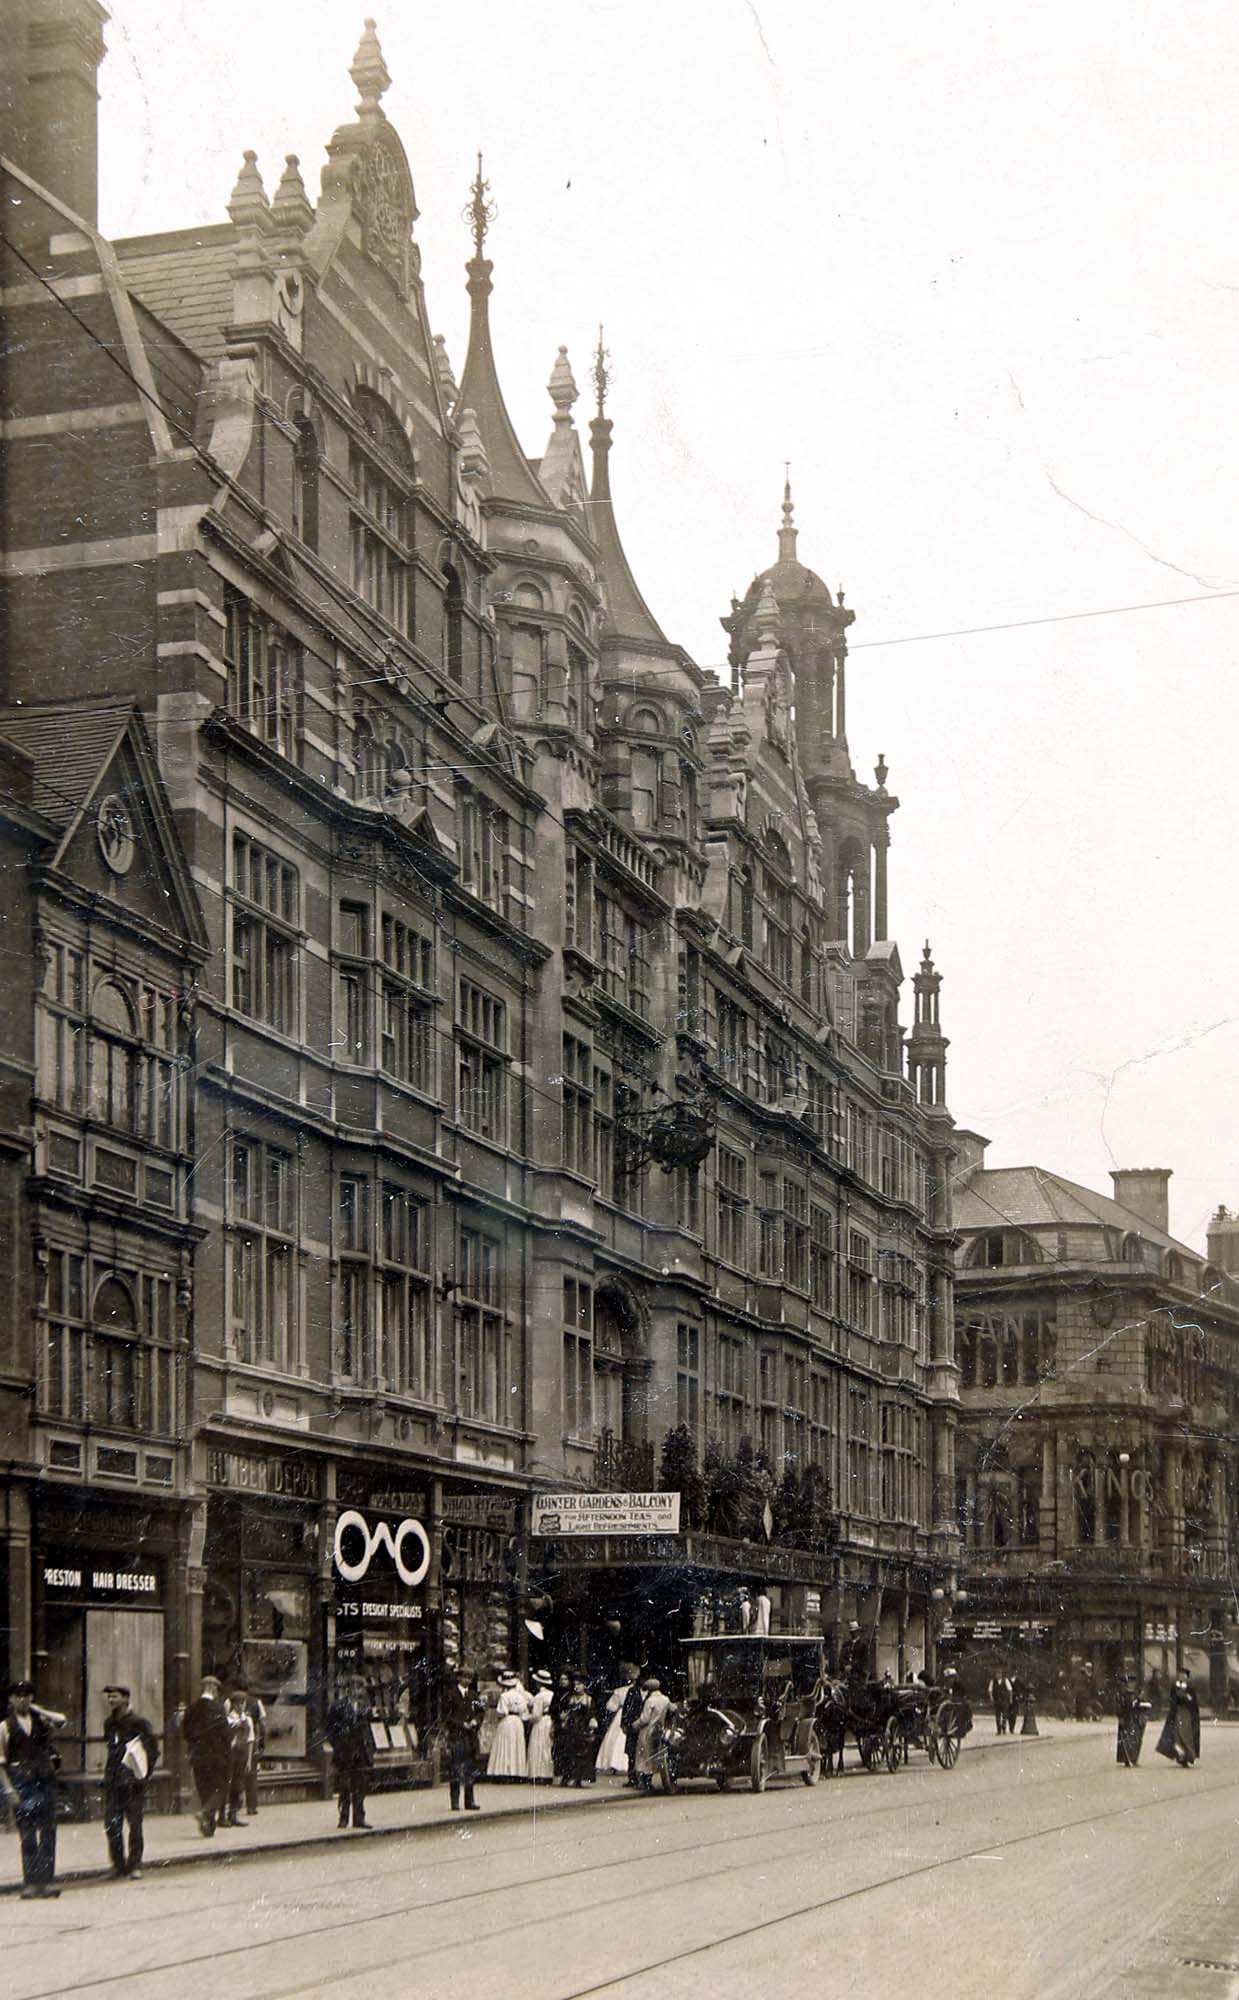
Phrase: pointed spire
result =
(512, 477)
(370, 73)
(249, 202)
(626, 615)
(291, 207)
(443, 368)
(787, 533)
(480, 212)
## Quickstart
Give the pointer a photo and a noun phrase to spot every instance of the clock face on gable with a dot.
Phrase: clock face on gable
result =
(116, 835)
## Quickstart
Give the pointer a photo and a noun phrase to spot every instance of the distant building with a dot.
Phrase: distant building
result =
(1098, 1460)
(515, 1076)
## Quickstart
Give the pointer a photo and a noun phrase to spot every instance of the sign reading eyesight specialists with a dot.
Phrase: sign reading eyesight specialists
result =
(606, 1514)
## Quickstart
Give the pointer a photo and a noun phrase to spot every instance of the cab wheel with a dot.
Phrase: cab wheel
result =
(813, 1768)
(759, 1766)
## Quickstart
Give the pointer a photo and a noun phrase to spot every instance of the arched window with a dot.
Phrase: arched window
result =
(453, 624)
(528, 594)
(117, 1356)
(688, 801)
(113, 1059)
(644, 766)
(305, 483)
(645, 721)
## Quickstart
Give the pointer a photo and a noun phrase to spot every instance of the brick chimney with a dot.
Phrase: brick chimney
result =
(1223, 1242)
(56, 126)
(1146, 1191)
(970, 1149)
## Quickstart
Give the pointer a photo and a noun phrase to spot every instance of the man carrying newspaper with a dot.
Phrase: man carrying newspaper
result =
(133, 1749)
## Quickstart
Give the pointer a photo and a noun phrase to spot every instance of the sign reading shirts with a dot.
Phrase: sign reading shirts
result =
(606, 1514)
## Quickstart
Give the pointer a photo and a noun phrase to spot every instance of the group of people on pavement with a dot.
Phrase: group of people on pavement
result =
(224, 1737)
(29, 1762)
(1009, 1695)
(554, 1731)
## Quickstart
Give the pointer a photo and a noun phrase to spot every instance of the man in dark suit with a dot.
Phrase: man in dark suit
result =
(630, 1715)
(463, 1709)
(208, 1739)
(132, 1753)
(347, 1729)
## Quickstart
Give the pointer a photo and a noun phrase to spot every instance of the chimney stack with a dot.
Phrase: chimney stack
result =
(1146, 1191)
(56, 127)
(1223, 1242)
(970, 1150)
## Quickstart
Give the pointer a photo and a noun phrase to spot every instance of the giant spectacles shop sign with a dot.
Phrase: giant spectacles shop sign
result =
(606, 1514)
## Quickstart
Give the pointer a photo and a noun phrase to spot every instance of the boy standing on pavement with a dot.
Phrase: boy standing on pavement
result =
(132, 1753)
(28, 1766)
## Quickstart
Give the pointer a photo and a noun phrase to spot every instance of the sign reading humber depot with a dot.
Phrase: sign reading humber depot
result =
(606, 1514)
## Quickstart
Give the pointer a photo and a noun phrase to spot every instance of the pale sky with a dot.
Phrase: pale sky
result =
(978, 279)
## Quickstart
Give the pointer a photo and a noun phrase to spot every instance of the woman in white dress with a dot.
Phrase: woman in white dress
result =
(507, 1752)
(542, 1733)
(613, 1749)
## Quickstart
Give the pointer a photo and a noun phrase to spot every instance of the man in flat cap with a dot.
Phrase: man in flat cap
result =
(132, 1753)
(28, 1767)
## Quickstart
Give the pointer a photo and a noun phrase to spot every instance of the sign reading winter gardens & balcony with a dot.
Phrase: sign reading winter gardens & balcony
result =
(606, 1513)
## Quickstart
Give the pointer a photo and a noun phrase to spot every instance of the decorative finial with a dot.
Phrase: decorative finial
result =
(291, 205)
(767, 614)
(881, 772)
(839, 597)
(601, 373)
(249, 197)
(787, 533)
(562, 387)
(480, 213)
(369, 72)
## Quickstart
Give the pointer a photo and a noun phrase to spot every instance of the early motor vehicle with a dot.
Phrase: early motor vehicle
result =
(750, 1712)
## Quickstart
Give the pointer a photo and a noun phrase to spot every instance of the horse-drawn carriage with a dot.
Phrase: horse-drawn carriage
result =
(887, 1720)
(751, 1712)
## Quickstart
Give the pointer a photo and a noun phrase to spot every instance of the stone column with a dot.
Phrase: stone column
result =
(1048, 1510)
(881, 919)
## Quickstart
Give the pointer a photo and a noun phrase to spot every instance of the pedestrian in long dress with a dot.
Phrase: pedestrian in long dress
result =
(1180, 1737)
(634, 1702)
(539, 1757)
(507, 1758)
(650, 1727)
(613, 1750)
(576, 1735)
(1133, 1715)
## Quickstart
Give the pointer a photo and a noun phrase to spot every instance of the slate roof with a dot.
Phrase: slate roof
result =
(1032, 1197)
(185, 279)
(67, 745)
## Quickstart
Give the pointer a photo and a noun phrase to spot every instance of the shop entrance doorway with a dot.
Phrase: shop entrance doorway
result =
(88, 1651)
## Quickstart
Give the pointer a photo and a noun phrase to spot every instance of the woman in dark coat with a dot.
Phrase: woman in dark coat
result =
(1180, 1737)
(1132, 1714)
(559, 1702)
(577, 1736)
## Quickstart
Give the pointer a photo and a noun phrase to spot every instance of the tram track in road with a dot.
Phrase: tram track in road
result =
(400, 1865)
(125, 1982)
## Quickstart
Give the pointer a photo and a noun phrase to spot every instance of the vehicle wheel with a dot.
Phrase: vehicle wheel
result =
(759, 1765)
(813, 1769)
(892, 1745)
(666, 1779)
(950, 1736)
(931, 1740)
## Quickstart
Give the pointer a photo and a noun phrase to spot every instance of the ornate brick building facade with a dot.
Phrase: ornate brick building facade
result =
(1097, 1469)
(540, 1090)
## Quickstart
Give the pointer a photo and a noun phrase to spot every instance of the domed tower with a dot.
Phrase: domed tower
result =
(853, 819)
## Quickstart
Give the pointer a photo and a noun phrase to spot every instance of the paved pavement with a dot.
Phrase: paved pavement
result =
(1036, 1870)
